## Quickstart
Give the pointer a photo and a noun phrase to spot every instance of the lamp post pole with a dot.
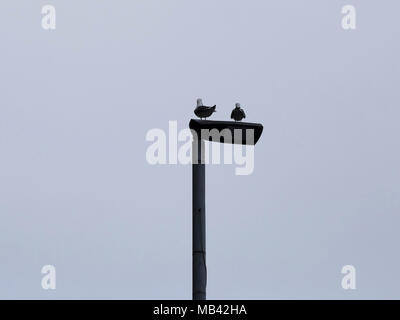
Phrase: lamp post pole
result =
(199, 271)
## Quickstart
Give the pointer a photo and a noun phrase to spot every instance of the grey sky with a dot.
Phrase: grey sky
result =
(76, 190)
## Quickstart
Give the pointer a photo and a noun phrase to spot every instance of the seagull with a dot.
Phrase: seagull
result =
(203, 111)
(238, 113)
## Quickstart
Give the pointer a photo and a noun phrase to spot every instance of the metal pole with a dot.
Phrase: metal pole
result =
(199, 274)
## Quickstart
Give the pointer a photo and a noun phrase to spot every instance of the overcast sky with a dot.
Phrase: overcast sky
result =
(77, 192)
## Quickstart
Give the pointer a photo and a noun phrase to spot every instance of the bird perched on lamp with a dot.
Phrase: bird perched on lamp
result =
(203, 111)
(238, 113)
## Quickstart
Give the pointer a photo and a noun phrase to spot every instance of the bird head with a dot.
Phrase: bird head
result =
(199, 102)
(237, 105)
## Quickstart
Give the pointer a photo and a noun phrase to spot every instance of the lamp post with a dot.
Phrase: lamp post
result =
(199, 222)
(199, 269)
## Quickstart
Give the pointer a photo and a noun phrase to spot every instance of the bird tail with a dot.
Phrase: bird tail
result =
(214, 106)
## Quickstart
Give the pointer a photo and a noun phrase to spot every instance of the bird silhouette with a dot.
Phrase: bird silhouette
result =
(238, 113)
(203, 111)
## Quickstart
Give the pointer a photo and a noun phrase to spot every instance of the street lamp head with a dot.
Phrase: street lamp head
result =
(214, 131)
